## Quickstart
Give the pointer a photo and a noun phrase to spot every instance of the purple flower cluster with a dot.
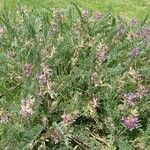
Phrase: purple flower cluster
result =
(26, 107)
(28, 69)
(145, 34)
(85, 13)
(55, 137)
(97, 15)
(130, 98)
(135, 75)
(130, 122)
(67, 119)
(135, 52)
(102, 54)
(119, 33)
(142, 92)
(133, 22)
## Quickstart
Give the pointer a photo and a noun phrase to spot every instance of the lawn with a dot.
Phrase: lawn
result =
(126, 8)
(74, 78)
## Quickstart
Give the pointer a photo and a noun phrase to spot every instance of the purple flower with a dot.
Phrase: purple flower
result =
(66, 119)
(85, 13)
(133, 22)
(130, 122)
(142, 92)
(129, 98)
(135, 75)
(55, 137)
(42, 78)
(53, 29)
(135, 52)
(94, 78)
(26, 107)
(102, 56)
(119, 33)
(145, 33)
(97, 15)
(28, 69)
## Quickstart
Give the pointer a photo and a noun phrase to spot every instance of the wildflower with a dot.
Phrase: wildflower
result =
(133, 22)
(102, 56)
(59, 14)
(28, 69)
(1, 30)
(53, 29)
(132, 35)
(94, 101)
(45, 120)
(42, 78)
(26, 107)
(142, 92)
(97, 15)
(130, 122)
(94, 78)
(145, 33)
(135, 52)
(135, 75)
(102, 53)
(129, 98)
(55, 137)
(39, 93)
(119, 33)
(66, 119)
(85, 13)
(3, 117)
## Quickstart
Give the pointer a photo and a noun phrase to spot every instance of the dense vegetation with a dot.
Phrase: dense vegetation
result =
(72, 79)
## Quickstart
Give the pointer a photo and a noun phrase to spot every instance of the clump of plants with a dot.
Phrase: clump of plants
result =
(73, 79)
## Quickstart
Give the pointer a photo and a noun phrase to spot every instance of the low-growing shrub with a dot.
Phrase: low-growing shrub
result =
(72, 79)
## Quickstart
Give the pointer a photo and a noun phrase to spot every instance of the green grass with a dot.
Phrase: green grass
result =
(126, 8)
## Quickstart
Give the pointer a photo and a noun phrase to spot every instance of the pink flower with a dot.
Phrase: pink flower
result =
(135, 75)
(97, 15)
(28, 69)
(142, 92)
(135, 52)
(129, 98)
(133, 22)
(26, 107)
(66, 119)
(102, 56)
(119, 33)
(55, 137)
(130, 122)
(42, 78)
(85, 13)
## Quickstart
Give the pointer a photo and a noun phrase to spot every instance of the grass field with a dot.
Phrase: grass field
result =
(126, 8)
